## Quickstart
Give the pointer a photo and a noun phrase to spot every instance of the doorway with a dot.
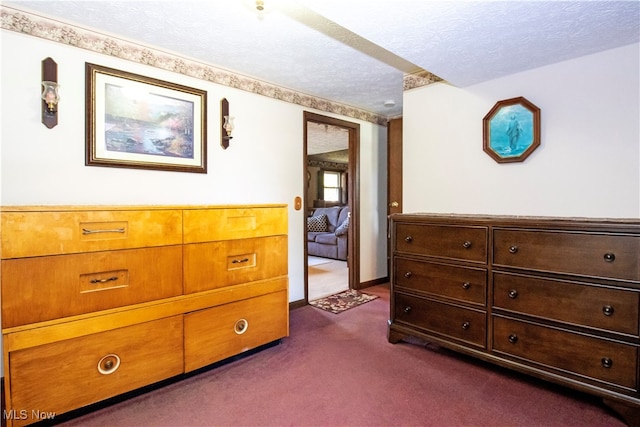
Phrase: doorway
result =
(331, 152)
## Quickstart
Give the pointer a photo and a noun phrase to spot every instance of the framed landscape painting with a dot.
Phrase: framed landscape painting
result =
(135, 121)
(511, 130)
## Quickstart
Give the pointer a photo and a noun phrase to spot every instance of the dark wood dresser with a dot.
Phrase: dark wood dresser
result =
(557, 298)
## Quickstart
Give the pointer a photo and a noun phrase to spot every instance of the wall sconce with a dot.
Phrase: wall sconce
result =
(50, 96)
(227, 124)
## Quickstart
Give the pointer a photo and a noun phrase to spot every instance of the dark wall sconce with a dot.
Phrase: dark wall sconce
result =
(227, 124)
(50, 96)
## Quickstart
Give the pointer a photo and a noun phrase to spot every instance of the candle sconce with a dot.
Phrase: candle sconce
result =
(50, 96)
(227, 124)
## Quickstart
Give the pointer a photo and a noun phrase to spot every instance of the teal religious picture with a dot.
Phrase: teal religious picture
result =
(512, 130)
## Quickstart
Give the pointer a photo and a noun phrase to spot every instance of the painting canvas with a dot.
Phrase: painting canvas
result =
(135, 121)
(511, 130)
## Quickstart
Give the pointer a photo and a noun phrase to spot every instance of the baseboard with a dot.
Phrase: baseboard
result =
(380, 281)
(297, 304)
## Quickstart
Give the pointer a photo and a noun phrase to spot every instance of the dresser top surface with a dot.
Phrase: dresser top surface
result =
(71, 208)
(482, 219)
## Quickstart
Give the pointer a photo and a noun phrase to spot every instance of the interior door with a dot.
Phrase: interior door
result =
(394, 166)
(394, 172)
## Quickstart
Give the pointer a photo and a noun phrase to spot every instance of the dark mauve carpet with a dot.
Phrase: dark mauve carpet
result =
(341, 371)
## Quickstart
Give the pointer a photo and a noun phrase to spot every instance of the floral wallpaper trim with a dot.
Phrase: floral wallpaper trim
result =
(419, 79)
(327, 165)
(45, 28)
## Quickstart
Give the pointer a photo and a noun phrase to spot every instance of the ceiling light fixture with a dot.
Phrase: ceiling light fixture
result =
(389, 103)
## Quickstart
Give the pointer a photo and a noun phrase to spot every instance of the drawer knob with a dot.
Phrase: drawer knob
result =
(466, 244)
(513, 293)
(607, 310)
(465, 325)
(513, 249)
(109, 364)
(513, 338)
(606, 362)
(609, 257)
(240, 261)
(407, 309)
(408, 239)
(466, 285)
(241, 326)
(408, 274)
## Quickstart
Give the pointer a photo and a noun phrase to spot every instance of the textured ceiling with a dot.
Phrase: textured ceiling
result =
(356, 52)
(323, 139)
(468, 42)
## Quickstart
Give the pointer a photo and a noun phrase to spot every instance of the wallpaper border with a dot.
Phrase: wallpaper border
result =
(46, 28)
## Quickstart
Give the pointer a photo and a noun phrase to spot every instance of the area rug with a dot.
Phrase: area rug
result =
(343, 301)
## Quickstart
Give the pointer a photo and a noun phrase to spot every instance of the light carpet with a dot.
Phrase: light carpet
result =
(314, 260)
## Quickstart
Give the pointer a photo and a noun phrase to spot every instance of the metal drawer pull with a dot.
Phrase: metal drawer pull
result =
(466, 285)
(110, 279)
(241, 326)
(513, 338)
(466, 244)
(513, 249)
(465, 325)
(408, 274)
(109, 364)
(607, 310)
(606, 362)
(609, 257)
(407, 309)
(408, 239)
(238, 261)
(513, 293)
(113, 230)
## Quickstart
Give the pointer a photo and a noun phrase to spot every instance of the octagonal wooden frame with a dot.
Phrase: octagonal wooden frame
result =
(519, 123)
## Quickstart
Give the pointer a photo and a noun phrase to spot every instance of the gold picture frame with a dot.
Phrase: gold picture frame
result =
(134, 121)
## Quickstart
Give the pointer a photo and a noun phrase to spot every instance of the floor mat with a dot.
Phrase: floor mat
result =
(343, 301)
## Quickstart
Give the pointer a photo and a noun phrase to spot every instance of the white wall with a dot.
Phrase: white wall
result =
(588, 163)
(264, 163)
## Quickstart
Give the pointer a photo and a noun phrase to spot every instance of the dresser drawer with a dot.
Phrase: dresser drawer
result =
(447, 321)
(602, 255)
(586, 356)
(205, 225)
(460, 283)
(65, 285)
(456, 242)
(231, 262)
(220, 332)
(69, 374)
(599, 307)
(37, 233)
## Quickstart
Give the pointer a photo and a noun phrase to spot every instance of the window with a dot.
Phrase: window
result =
(331, 186)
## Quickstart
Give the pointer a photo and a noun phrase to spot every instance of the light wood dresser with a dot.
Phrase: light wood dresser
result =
(98, 301)
(555, 298)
